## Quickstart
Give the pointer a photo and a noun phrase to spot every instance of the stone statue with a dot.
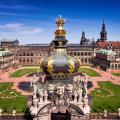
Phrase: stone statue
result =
(51, 88)
(75, 97)
(60, 90)
(79, 93)
(69, 88)
(105, 113)
(45, 96)
(34, 89)
(14, 112)
(1, 111)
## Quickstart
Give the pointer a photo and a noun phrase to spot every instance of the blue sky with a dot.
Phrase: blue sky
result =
(32, 21)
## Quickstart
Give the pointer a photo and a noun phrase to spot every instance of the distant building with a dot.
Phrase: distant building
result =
(84, 41)
(6, 59)
(107, 59)
(32, 54)
(111, 45)
(9, 43)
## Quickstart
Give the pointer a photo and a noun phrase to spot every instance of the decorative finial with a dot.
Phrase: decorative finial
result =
(103, 21)
(60, 16)
(60, 22)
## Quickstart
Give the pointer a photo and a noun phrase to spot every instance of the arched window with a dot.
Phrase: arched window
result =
(23, 59)
(81, 53)
(24, 54)
(31, 54)
(20, 60)
(27, 54)
(89, 59)
(82, 60)
(115, 65)
(89, 53)
(86, 60)
(27, 59)
(85, 53)
(75, 53)
(70, 53)
(119, 66)
(31, 60)
(112, 66)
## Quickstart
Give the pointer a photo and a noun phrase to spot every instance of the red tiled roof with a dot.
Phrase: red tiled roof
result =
(115, 44)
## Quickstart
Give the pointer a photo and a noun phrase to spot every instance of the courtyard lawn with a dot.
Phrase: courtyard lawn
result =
(116, 74)
(24, 71)
(89, 72)
(106, 97)
(10, 99)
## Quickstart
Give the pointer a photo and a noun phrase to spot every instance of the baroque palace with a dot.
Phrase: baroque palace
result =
(87, 51)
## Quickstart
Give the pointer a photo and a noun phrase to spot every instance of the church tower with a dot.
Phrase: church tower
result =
(103, 33)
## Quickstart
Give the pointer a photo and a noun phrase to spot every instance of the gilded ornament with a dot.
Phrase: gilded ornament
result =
(72, 66)
(50, 66)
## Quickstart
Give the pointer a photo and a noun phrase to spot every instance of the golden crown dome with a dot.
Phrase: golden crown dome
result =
(60, 31)
(59, 63)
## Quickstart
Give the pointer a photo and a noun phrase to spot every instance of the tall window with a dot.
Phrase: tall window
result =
(23, 59)
(81, 53)
(31, 60)
(86, 60)
(27, 59)
(20, 60)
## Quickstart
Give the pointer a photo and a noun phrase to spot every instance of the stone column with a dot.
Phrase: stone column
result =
(75, 97)
(85, 102)
(34, 91)
(45, 96)
(40, 103)
(80, 98)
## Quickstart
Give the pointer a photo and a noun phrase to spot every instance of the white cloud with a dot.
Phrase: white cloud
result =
(14, 14)
(24, 33)
(19, 28)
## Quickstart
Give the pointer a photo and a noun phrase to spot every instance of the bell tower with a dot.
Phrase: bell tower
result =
(103, 33)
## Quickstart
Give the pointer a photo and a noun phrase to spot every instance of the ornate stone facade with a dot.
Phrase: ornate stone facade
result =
(6, 59)
(60, 92)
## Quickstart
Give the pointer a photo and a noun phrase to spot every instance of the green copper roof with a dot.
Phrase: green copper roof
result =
(107, 52)
(5, 53)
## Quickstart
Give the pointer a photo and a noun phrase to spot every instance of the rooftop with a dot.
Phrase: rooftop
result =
(107, 52)
(5, 52)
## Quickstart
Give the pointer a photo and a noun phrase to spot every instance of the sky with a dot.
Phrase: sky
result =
(33, 21)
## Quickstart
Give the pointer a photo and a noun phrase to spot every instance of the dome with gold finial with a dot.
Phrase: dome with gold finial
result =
(59, 63)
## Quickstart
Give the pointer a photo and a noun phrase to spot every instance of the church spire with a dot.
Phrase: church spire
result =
(103, 33)
(83, 35)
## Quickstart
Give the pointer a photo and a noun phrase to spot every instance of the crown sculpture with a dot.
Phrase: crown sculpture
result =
(60, 90)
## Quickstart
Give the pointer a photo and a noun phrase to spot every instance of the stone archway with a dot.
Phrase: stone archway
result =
(58, 115)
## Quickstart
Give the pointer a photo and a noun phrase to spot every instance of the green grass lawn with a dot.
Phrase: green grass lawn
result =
(116, 74)
(89, 72)
(106, 97)
(22, 72)
(10, 99)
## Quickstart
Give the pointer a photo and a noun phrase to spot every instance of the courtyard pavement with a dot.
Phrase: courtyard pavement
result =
(105, 76)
